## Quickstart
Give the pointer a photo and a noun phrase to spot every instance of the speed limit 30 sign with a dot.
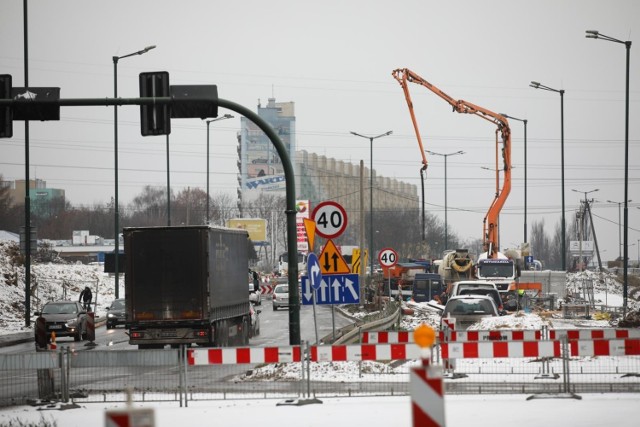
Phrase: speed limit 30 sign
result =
(387, 257)
(330, 219)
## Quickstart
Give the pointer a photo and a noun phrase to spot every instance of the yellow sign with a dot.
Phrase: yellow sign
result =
(358, 263)
(310, 228)
(331, 260)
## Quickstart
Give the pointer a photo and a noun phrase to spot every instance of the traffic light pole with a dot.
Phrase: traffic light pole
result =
(294, 304)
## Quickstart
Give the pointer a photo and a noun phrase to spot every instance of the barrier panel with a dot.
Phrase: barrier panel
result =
(186, 374)
(586, 334)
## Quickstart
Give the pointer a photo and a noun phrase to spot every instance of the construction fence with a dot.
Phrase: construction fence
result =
(503, 361)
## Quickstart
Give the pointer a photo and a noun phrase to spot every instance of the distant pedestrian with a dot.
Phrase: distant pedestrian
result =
(85, 298)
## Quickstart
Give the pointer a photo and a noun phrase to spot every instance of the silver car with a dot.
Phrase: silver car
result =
(280, 297)
(469, 309)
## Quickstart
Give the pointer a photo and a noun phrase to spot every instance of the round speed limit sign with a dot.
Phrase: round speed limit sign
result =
(387, 257)
(330, 219)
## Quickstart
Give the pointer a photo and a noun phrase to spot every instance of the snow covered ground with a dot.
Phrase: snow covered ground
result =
(593, 410)
(58, 281)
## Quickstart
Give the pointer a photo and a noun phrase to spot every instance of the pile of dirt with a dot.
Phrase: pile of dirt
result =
(631, 321)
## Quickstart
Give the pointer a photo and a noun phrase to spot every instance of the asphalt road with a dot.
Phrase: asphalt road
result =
(274, 331)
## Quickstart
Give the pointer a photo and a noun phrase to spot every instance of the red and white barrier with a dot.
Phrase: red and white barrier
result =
(343, 353)
(385, 337)
(593, 334)
(497, 335)
(624, 347)
(266, 289)
(427, 396)
(227, 356)
(480, 350)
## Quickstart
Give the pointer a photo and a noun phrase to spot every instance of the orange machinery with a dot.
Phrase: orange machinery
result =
(490, 233)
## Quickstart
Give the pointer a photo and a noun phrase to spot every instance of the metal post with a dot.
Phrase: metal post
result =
(208, 122)
(116, 231)
(27, 199)
(564, 228)
(168, 187)
(371, 245)
(537, 85)
(446, 226)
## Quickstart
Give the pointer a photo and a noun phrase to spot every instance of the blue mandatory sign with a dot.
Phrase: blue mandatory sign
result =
(314, 271)
(332, 289)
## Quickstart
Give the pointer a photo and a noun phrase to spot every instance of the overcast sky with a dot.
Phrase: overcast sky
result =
(334, 60)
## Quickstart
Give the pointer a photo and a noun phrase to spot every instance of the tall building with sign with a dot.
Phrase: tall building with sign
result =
(259, 166)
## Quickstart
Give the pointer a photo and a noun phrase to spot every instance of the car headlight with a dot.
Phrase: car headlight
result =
(111, 315)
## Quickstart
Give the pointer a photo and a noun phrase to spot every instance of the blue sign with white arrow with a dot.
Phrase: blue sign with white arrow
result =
(314, 271)
(332, 289)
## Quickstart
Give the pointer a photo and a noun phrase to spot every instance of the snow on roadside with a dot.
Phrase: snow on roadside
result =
(49, 281)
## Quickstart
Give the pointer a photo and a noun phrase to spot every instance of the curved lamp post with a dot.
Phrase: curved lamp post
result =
(371, 249)
(208, 122)
(115, 149)
(525, 169)
(563, 244)
(446, 228)
(593, 34)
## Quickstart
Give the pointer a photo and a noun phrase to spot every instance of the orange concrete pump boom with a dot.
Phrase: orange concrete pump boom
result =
(490, 225)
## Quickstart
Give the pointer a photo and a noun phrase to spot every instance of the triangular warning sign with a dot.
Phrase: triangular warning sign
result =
(331, 260)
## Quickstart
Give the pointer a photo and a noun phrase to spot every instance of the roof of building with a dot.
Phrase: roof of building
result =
(8, 235)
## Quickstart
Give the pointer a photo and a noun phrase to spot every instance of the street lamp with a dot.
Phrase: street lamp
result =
(371, 138)
(446, 228)
(593, 34)
(581, 230)
(619, 227)
(208, 122)
(525, 169)
(115, 149)
(537, 85)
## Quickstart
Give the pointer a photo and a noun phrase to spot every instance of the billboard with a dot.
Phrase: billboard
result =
(303, 210)
(257, 227)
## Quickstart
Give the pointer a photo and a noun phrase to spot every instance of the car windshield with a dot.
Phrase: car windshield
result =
(282, 289)
(469, 306)
(59, 309)
(117, 304)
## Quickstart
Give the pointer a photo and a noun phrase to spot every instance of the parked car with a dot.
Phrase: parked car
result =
(255, 322)
(65, 318)
(457, 286)
(254, 296)
(280, 297)
(493, 293)
(117, 314)
(469, 309)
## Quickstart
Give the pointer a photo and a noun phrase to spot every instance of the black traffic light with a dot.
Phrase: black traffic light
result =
(194, 101)
(155, 119)
(6, 115)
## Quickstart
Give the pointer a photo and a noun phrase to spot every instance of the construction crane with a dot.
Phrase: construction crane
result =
(490, 235)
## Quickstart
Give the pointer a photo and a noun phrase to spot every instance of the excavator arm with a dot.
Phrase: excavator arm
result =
(503, 131)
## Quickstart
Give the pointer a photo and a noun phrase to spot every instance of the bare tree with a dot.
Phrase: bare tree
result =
(540, 246)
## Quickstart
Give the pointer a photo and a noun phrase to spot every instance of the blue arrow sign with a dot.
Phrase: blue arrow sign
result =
(332, 289)
(314, 271)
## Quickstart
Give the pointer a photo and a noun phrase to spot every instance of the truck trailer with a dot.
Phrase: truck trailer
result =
(186, 285)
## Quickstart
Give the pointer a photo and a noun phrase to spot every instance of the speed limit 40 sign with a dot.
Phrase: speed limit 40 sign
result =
(387, 257)
(330, 219)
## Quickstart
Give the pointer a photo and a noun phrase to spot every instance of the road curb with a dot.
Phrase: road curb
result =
(22, 337)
